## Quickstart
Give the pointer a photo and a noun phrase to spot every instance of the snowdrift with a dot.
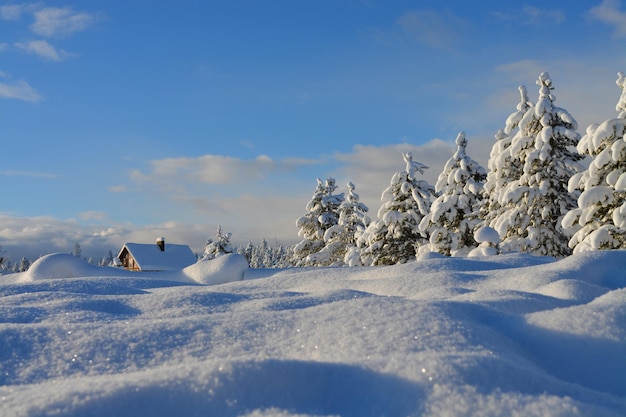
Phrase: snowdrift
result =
(226, 268)
(223, 269)
(503, 335)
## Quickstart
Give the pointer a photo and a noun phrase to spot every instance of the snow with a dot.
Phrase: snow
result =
(512, 334)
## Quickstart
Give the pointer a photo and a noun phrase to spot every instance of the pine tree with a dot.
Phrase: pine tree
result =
(77, 250)
(506, 164)
(533, 206)
(322, 215)
(453, 216)
(341, 238)
(394, 236)
(219, 247)
(23, 265)
(599, 221)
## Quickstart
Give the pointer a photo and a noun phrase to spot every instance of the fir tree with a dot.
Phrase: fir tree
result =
(341, 238)
(599, 221)
(506, 164)
(77, 250)
(533, 206)
(322, 215)
(453, 216)
(394, 236)
(23, 265)
(219, 247)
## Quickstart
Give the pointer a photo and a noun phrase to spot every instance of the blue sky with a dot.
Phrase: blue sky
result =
(125, 121)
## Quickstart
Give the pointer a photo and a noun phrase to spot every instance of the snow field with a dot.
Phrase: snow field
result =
(490, 336)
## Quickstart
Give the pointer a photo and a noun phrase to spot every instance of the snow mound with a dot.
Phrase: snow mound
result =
(226, 268)
(487, 234)
(63, 265)
(572, 289)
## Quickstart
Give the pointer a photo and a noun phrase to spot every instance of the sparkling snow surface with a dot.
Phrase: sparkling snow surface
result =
(497, 336)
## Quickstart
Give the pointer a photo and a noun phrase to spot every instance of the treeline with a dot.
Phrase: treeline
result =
(534, 197)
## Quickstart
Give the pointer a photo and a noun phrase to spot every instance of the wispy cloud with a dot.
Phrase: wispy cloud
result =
(526, 69)
(28, 174)
(538, 16)
(53, 21)
(43, 49)
(118, 189)
(438, 30)
(609, 12)
(212, 169)
(19, 90)
(15, 11)
(531, 15)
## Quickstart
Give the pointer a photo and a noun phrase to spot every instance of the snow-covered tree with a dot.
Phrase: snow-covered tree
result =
(107, 260)
(77, 250)
(505, 163)
(341, 238)
(221, 246)
(394, 236)
(599, 221)
(532, 207)
(322, 215)
(22, 266)
(453, 216)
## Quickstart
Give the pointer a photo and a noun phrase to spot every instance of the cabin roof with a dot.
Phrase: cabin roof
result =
(150, 257)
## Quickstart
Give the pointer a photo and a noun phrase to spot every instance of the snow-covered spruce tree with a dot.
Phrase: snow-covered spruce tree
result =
(533, 206)
(599, 221)
(219, 247)
(394, 237)
(340, 240)
(453, 216)
(322, 215)
(506, 164)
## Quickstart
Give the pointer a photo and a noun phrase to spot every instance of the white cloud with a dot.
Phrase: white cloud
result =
(43, 49)
(537, 16)
(530, 15)
(434, 29)
(213, 169)
(118, 188)
(523, 70)
(19, 90)
(15, 11)
(28, 174)
(52, 21)
(609, 12)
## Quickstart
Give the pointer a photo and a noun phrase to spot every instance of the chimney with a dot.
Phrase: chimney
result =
(161, 243)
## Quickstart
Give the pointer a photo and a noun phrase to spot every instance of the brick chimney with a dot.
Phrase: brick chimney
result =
(161, 243)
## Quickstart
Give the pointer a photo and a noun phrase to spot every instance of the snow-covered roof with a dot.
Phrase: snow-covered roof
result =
(150, 257)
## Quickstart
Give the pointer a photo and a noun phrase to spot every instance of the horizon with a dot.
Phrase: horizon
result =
(120, 127)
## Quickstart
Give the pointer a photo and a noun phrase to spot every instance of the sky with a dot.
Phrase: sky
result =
(127, 121)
